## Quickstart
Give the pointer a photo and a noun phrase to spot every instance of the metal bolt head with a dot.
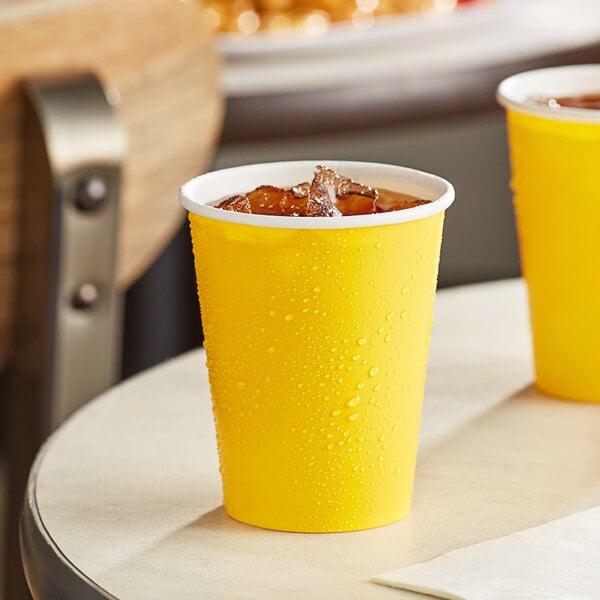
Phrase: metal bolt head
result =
(91, 193)
(85, 297)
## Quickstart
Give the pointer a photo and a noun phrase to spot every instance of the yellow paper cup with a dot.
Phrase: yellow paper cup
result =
(555, 156)
(316, 334)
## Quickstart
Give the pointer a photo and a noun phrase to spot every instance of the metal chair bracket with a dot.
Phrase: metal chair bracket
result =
(68, 332)
(67, 317)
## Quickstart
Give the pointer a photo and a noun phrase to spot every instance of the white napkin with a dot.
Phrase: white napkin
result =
(556, 561)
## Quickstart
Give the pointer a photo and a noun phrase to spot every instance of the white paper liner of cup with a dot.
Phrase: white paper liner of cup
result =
(520, 91)
(198, 193)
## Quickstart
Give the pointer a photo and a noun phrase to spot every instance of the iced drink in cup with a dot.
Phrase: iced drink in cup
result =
(316, 332)
(554, 133)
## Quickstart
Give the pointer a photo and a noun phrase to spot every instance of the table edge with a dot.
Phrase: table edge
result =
(49, 573)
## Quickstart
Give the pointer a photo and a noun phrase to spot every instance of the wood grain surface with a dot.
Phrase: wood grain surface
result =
(158, 59)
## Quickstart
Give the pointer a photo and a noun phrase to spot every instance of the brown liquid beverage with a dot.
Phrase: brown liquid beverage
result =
(327, 195)
(587, 101)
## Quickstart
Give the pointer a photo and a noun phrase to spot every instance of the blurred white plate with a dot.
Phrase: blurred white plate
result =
(345, 35)
(409, 48)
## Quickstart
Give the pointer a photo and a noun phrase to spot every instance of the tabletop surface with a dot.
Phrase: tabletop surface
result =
(129, 490)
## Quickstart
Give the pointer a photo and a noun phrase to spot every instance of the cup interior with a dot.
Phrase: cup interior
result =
(197, 194)
(518, 91)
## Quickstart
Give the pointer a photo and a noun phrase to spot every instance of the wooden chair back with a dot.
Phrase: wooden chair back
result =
(158, 59)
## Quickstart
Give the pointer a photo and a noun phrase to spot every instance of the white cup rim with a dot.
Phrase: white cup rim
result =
(515, 92)
(196, 193)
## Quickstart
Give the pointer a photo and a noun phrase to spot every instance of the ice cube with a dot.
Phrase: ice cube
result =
(355, 204)
(301, 190)
(389, 200)
(271, 200)
(349, 197)
(322, 187)
(237, 203)
(316, 208)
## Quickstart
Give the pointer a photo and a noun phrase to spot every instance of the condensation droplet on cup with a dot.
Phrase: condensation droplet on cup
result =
(360, 386)
(289, 317)
(354, 401)
(390, 315)
(241, 385)
(362, 341)
(353, 417)
(403, 314)
(387, 338)
(272, 313)
(336, 412)
(271, 350)
(404, 289)
(373, 371)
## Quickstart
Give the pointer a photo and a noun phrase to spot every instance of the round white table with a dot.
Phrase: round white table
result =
(124, 500)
